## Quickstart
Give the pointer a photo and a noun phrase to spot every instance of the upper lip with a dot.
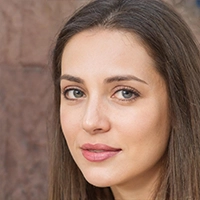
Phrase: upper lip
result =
(98, 147)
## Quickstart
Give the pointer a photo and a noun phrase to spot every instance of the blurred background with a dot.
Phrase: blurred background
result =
(27, 34)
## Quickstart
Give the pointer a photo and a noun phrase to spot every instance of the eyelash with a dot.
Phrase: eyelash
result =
(67, 90)
(130, 90)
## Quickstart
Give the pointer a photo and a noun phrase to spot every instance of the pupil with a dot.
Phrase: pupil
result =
(78, 93)
(127, 94)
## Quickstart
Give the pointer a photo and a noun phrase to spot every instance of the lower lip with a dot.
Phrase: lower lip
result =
(98, 156)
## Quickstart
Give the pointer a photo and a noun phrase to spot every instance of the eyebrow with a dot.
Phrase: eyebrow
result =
(107, 80)
(124, 78)
(72, 78)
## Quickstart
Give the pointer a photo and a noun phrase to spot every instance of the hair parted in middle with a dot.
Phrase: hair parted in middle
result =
(172, 46)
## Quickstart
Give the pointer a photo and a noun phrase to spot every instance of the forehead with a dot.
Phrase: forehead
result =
(107, 34)
(103, 42)
(103, 53)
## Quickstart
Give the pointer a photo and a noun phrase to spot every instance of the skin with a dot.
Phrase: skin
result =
(130, 115)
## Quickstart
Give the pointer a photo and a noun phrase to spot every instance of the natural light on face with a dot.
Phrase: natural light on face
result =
(114, 109)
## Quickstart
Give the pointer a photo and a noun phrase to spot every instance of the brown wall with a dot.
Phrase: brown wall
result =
(27, 32)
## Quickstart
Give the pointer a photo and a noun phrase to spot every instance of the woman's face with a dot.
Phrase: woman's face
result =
(114, 109)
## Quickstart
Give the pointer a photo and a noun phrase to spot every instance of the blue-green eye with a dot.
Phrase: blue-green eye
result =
(73, 94)
(126, 94)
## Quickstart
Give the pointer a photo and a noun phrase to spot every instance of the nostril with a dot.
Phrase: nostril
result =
(93, 131)
(97, 130)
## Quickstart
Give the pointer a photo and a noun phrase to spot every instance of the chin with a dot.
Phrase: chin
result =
(98, 181)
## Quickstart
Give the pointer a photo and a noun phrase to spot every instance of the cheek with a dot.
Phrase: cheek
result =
(144, 125)
(68, 124)
(146, 137)
(154, 133)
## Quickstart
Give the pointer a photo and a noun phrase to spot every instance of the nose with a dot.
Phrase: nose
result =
(95, 119)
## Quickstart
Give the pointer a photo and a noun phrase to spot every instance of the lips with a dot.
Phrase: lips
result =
(98, 152)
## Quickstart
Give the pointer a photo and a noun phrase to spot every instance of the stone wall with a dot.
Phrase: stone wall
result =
(27, 34)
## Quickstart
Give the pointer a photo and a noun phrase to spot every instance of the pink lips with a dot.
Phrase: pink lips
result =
(98, 152)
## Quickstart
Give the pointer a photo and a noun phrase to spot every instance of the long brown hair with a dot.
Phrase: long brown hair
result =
(171, 44)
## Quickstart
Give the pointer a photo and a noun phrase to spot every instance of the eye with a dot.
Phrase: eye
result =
(126, 94)
(73, 93)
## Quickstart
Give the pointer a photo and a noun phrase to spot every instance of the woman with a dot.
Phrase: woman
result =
(127, 104)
